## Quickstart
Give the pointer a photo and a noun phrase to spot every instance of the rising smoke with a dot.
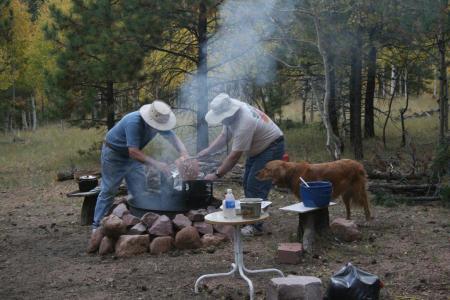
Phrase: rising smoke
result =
(238, 51)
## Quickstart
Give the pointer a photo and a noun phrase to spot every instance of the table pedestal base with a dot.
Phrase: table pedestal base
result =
(238, 266)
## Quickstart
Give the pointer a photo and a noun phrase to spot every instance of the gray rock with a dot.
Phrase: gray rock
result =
(181, 221)
(137, 229)
(129, 245)
(188, 238)
(130, 220)
(106, 246)
(204, 228)
(161, 244)
(161, 227)
(345, 230)
(95, 240)
(149, 218)
(113, 226)
(295, 288)
(120, 210)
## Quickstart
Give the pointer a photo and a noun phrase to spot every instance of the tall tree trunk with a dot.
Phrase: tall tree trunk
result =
(369, 127)
(333, 143)
(202, 73)
(24, 120)
(435, 83)
(443, 81)
(33, 113)
(355, 100)
(332, 97)
(109, 104)
(403, 110)
(388, 115)
(393, 79)
(304, 109)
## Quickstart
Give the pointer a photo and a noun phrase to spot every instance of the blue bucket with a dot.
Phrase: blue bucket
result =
(318, 194)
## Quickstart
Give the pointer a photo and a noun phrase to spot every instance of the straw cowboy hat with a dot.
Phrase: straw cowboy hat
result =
(222, 107)
(158, 115)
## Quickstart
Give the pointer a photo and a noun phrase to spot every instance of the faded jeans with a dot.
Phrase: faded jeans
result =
(254, 188)
(115, 168)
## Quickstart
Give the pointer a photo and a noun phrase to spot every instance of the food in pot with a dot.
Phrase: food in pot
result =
(188, 168)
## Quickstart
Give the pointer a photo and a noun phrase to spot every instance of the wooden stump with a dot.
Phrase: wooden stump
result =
(87, 210)
(310, 225)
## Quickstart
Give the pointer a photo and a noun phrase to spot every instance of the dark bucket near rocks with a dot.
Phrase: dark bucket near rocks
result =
(318, 194)
(87, 183)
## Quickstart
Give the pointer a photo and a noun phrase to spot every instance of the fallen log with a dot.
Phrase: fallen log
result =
(393, 176)
(419, 199)
(402, 188)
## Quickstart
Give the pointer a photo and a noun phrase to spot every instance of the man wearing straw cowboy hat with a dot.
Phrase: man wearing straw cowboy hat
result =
(122, 156)
(253, 133)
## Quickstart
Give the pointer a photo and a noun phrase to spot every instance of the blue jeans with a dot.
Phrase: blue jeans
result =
(115, 168)
(254, 188)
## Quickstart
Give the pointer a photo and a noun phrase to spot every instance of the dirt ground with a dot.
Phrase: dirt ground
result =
(42, 254)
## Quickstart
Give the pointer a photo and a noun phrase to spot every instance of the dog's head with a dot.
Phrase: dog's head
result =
(277, 171)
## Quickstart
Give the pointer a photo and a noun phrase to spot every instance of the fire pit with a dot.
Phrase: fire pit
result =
(182, 191)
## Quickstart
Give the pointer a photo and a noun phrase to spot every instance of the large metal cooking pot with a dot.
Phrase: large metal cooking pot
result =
(197, 193)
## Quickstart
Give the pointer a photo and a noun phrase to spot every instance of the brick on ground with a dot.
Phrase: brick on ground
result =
(289, 253)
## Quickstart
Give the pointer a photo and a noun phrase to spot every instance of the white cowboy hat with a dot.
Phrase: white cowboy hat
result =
(158, 115)
(222, 107)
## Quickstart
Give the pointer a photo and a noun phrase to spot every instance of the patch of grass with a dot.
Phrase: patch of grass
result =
(445, 194)
(387, 200)
(35, 160)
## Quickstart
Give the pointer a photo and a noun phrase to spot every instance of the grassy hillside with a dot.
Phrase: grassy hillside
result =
(36, 157)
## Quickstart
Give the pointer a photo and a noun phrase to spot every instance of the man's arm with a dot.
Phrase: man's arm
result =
(140, 156)
(228, 164)
(217, 144)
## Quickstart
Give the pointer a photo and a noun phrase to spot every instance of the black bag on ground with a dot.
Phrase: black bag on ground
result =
(351, 283)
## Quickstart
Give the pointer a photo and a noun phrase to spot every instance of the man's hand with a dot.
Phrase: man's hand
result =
(162, 167)
(211, 177)
(203, 153)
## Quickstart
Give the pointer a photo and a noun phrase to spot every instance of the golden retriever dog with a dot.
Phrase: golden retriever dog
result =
(347, 176)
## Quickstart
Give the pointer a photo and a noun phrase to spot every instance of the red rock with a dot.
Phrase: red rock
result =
(129, 245)
(289, 253)
(345, 230)
(197, 215)
(212, 240)
(180, 221)
(137, 229)
(161, 244)
(107, 246)
(188, 238)
(120, 210)
(161, 227)
(228, 230)
(130, 220)
(95, 240)
(113, 226)
(149, 218)
(204, 228)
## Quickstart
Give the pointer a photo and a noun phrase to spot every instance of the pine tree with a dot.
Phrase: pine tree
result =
(96, 53)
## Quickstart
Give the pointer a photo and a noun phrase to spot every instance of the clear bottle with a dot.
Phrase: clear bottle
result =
(229, 205)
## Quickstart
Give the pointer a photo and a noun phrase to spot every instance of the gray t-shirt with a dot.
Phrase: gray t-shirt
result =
(252, 131)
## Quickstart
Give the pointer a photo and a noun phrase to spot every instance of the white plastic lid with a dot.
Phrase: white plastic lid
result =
(229, 191)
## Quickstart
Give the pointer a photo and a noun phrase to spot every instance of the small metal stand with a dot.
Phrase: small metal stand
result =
(238, 266)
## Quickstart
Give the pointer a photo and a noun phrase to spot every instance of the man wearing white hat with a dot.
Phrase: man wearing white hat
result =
(122, 156)
(254, 134)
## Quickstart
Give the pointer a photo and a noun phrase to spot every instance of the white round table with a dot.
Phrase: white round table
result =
(238, 266)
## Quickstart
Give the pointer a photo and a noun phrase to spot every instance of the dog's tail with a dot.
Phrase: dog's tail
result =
(360, 197)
